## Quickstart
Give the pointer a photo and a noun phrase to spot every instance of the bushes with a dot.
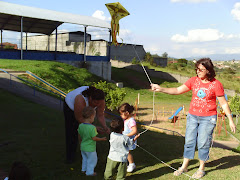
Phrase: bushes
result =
(235, 104)
(134, 61)
(184, 61)
(113, 95)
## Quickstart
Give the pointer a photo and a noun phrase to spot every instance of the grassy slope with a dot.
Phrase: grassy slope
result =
(37, 134)
(142, 86)
(61, 75)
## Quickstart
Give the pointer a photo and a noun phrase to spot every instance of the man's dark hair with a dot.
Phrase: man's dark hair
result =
(117, 125)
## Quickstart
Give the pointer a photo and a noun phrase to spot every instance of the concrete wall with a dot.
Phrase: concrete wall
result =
(99, 68)
(92, 48)
(41, 43)
(66, 43)
(73, 42)
(160, 61)
(75, 37)
(127, 52)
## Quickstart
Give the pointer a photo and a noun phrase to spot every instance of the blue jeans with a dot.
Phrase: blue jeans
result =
(199, 130)
(89, 161)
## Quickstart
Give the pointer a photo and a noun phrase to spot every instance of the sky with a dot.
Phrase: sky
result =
(182, 28)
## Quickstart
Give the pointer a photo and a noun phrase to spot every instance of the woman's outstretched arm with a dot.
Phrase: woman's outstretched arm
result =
(174, 91)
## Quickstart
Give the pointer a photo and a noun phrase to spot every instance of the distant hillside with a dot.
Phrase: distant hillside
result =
(218, 57)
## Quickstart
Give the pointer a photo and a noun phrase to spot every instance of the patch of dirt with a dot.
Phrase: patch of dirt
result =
(145, 116)
(168, 126)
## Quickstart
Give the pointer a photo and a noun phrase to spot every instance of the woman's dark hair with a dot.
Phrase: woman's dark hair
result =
(207, 63)
(19, 172)
(95, 94)
(117, 125)
(126, 108)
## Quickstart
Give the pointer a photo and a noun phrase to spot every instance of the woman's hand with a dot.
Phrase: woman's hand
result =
(232, 126)
(107, 130)
(103, 130)
(155, 87)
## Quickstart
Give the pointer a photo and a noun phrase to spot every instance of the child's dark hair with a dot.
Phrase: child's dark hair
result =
(88, 112)
(125, 108)
(19, 172)
(117, 125)
(95, 94)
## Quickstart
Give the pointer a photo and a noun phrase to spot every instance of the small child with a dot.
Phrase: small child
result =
(119, 149)
(88, 133)
(130, 129)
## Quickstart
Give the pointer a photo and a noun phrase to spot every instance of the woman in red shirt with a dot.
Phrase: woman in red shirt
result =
(202, 116)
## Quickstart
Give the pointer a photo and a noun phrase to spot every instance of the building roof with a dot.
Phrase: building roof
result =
(36, 20)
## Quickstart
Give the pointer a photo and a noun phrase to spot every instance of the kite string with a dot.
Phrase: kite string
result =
(142, 65)
(163, 161)
(150, 84)
(152, 120)
(153, 92)
(152, 117)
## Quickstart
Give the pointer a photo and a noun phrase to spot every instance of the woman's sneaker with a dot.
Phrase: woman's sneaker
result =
(131, 167)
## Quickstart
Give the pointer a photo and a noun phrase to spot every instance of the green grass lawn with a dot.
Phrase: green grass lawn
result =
(36, 136)
(35, 133)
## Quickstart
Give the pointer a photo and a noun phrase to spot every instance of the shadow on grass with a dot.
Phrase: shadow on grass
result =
(133, 79)
(38, 133)
(224, 163)
(155, 148)
(141, 109)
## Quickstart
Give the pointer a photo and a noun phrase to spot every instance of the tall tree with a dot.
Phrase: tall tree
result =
(165, 55)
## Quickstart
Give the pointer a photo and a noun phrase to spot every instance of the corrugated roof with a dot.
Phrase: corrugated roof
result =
(36, 20)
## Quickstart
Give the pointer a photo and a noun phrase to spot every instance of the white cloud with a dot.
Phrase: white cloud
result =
(193, 1)
(232, 36)
(202, 51)
(198, 35)
(236, 11)
(100, 15)
(125, 33)
(235, 50)
(153, 49)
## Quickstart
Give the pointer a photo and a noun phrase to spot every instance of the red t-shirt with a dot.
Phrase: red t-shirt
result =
(204, 95)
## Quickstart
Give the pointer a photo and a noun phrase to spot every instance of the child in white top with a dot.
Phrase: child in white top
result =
(130, 129)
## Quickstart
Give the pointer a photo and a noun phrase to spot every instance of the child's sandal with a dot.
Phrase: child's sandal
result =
(179, 171)
(198, 174)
